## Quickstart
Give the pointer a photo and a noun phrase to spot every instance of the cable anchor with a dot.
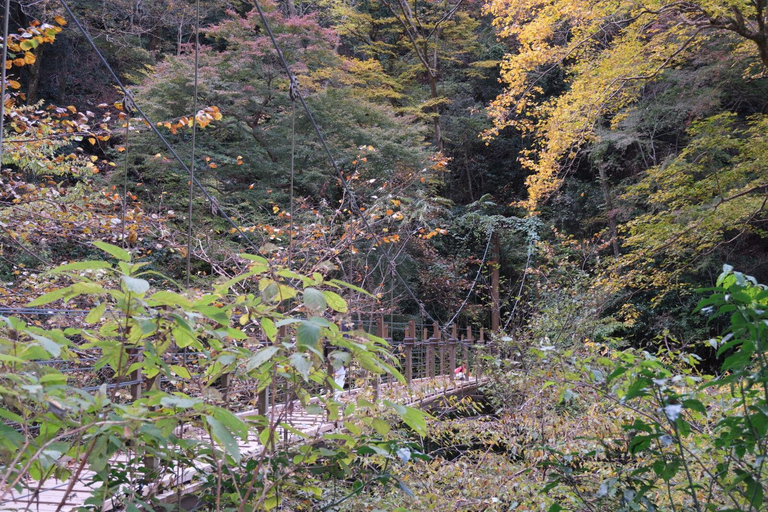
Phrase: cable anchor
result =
(293, 89)
(129, 104)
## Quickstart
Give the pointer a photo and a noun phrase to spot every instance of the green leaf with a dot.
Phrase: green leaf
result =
(335, 302)
(48, 344)
(96, 313)
(640, 387)
(180, 402)
(232, 422)
(381, 426)
(407, 490)
(134, 285)
(50, 297)
(214, 313)
(308, 333)
(82, 265)
(640, 443)
(351, 287)
(302, 364)
(115, 251)
(224, 437)
(268, 326)
(314, 300)
(181, 371)
(165, 298)
(253, 257)
(261, 357)
(416, 419)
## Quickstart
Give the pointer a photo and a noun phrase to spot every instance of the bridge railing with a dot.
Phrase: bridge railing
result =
(420, 352)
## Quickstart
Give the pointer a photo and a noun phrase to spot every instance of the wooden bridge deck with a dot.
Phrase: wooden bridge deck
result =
(63, 496)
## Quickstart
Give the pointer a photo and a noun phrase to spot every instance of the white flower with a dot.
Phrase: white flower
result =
(673, 411)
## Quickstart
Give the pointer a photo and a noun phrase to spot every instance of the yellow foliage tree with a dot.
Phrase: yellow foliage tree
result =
(606, 51)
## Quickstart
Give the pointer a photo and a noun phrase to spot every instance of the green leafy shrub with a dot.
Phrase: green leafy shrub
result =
(52, 428)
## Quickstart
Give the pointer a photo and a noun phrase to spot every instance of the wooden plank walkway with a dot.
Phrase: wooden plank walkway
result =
(57, 496)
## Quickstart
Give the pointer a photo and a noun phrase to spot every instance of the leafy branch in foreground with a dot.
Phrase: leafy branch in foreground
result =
(178, 346)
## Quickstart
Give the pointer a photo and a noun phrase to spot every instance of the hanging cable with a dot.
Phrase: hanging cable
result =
(3, 75)
(471, 288)
(151, 126)
(352, 200)
(293, 159)
(522, 281)
(127, 110)
(194, 141)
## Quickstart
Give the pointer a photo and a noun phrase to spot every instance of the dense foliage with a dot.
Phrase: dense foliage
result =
(600, 161)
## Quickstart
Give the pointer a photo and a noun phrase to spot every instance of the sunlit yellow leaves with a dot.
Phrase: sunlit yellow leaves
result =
(203, 118)
(602, 77)
(60, 20)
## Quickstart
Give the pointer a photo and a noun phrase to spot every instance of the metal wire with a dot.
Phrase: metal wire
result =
(194, 142)
(154, 129)
(3, 85)
(352, 200)
(471, 288)
(43, 311)
(522, 283)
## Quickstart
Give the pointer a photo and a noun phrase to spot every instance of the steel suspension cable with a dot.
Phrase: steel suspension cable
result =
(3, 85)
(522, 282)
(194, 141)
(352, 200)
(127, 110)
(214, 204)
(293, 159)
(477, 277)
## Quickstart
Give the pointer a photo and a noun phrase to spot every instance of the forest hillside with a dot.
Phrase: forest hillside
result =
(246, 184)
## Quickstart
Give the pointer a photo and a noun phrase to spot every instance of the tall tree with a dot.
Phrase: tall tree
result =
(607, 52)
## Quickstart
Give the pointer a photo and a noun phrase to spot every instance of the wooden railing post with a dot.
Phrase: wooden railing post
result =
(408, 341)
(441, 348)
(452, 352)
(224, 384)
(465, 349)
(135, 376)
(381, 333)
(431, 352)
(136, 389)
(262, 403)
(262, 400)
(478, 353)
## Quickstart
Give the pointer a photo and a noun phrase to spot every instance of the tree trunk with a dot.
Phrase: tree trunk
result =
(612, 224)
(436, 120)
(291, 8)
(34, 76)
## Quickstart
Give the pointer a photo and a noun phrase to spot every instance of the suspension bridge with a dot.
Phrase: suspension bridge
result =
(428, 357)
